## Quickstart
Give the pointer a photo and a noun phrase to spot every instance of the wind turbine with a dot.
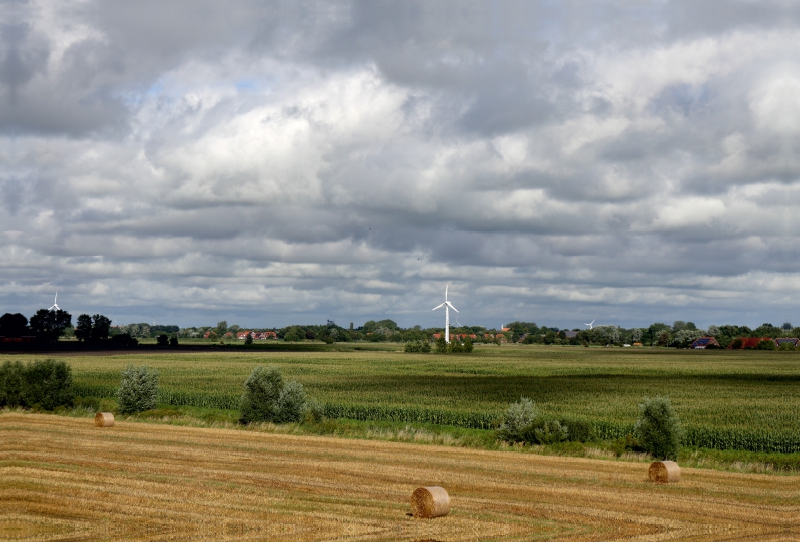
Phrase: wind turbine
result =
(447, 306)
(590, 323)
(55, 304)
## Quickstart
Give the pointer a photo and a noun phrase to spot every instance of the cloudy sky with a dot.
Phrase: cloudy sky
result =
(284, 162)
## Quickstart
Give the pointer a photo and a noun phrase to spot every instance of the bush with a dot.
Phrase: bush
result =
(162, 340)
(546, 432)
(767, 345)
(658, 429)
(736, 344)
(12, 383)
(48, 384)
(123, 340)
(468, 346)
(786, 346)
(292, 403)
(520, 416)
(173, 341)
(441, 345)
(43, 384)
(138, 390)
(418, 347)
(267, 398)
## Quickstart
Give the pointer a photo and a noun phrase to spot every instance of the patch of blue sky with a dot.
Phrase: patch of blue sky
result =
(245, 84)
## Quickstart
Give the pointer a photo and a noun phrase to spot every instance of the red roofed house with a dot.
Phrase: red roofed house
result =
(242, 335)
(794, 342)
(750, 342)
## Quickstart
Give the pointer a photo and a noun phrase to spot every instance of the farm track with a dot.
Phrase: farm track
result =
(64, 479)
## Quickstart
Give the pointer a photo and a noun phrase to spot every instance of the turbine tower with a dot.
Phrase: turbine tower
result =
(590, 323)
(447, 306)
(55, 304)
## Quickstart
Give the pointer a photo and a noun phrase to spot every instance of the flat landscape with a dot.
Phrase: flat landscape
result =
(64, 479)
(735, 399)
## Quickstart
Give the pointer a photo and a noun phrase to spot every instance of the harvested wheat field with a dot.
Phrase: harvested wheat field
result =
(65, 479)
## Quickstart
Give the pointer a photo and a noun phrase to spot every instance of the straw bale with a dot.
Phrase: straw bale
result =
(104, 419)
(665, 472)
(430, 502)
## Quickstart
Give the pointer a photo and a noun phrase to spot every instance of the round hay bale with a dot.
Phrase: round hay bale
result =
(430, 502)
(104, 419)
(665, 472)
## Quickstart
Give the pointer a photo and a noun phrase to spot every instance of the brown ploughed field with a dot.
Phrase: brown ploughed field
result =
(63, 478)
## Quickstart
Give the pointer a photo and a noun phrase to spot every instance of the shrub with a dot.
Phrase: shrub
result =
(520, 416)
(138, 390)
(267, 398)
(658, 429)
(786, 346)
(579, 431)
(441, 345)
(546, 432)
(48, 384)
(292, 403)
(173, 341)
(162, 340)
(736, 344)
(123, 340)
(12, 384)
(249, 339)
(767, 345)
(456, 347)
(468, 346)
(418, 347)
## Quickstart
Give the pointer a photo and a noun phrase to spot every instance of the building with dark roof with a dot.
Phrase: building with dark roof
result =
(794, 342)
(704, 342)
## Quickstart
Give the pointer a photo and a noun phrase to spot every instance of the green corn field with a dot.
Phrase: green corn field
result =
(741, 400)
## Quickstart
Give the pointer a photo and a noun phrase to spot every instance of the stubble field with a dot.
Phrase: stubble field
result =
(63, 479)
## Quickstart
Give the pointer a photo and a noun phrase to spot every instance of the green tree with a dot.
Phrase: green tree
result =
(222, 327)
(520, 416)
(138, 390)
(658, 429)
(48, 384)
(249, 339)
(50, 325)
(262, 389)
(12, 384)
(83, 329)
(101, 326)
(13, 325)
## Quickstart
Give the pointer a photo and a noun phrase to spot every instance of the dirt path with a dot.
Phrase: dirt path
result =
(63, 479)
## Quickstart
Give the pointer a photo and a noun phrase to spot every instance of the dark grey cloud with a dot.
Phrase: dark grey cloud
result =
(274, 162)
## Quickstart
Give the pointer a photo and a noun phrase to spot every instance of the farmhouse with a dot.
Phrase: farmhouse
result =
(794, 342)
(570, 334)
(748, 342)
(704, 342)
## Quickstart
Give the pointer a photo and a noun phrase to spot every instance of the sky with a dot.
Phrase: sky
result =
(289, 162)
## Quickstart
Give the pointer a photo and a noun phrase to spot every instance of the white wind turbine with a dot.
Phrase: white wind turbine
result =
(55, 304)
(590, 323)
(447, 306)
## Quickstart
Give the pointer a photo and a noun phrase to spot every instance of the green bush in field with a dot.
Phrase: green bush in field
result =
(786, 346)
(292, 403)
(417, 347)
(658, 429)
(441, 345)
(138, 390)
(48, 384)
(267, 398)
(767, 345)
(45, 384)
(12, 382)
(547, 432)
(520, 416)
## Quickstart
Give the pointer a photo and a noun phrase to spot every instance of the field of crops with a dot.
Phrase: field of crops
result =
(743, 399)
(64, 479)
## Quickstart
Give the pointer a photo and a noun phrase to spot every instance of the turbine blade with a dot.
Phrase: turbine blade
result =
(451, 306)
(445, 291)
(439, 307)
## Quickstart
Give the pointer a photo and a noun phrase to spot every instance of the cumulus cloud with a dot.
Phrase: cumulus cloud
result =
(271, 163)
